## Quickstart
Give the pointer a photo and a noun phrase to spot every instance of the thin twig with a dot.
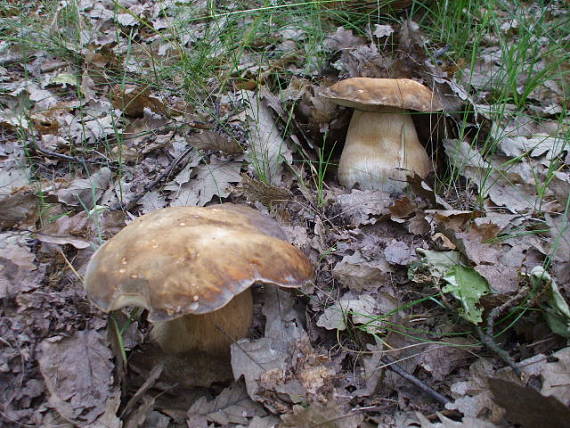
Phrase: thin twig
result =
(490, 343)
(487, 335)
(390, 364)
(150, 381)
(69, 158)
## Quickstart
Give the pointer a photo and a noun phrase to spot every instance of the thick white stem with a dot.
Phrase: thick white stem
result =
(211, 333)
(381, 150)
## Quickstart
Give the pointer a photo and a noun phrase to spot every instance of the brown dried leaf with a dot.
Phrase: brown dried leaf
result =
(80, 244)
(528, 407)
(466, 422)
(85, 192)
(402, 209)
(560, 233)
(331, 415)
(211, 180)
(14, 172)
(361, 309)
(473, 397)
(503, 279)
(440, 360)
(471, 244)
(156, 420)
(382, 31)
(342, 39)
(267, 194)
(209, 140)
(560, 185)
(500, 220)
(513, 189)
(141, 415)
(556, 376)
(451, 219)
(231, 407)
(252, 358)
(266, 363)
(266, 422)
(267, 149)
(18, 270)
(19, 209)
(535, 146)
(320, 113)
(357, 273)
(152, 201)
(362, 206)
(372, 374)
(399, 253)
(418, 224)
(78, 372)
(422, 189)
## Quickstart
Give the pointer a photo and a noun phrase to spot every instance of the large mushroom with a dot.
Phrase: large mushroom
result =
(382, 146)
(192, 268)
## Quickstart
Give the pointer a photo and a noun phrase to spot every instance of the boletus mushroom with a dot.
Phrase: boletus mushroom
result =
(192, 268)
(382, 146)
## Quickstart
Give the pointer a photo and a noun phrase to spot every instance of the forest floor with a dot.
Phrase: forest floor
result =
(441, 305)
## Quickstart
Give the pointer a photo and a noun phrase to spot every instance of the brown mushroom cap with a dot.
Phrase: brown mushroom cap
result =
(366, 93)
(192, 260)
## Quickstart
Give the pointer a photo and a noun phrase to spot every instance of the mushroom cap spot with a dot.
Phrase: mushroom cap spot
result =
(219, 252)
(367, 93)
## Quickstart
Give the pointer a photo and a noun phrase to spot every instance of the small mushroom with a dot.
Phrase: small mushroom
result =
(382, 145)
(192, 268)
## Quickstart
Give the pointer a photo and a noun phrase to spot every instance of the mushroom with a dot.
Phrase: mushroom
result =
(382, 145)
(192, 268)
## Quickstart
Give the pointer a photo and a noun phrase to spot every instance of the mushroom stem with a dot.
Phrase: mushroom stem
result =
(381, 149)
(212, 332)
